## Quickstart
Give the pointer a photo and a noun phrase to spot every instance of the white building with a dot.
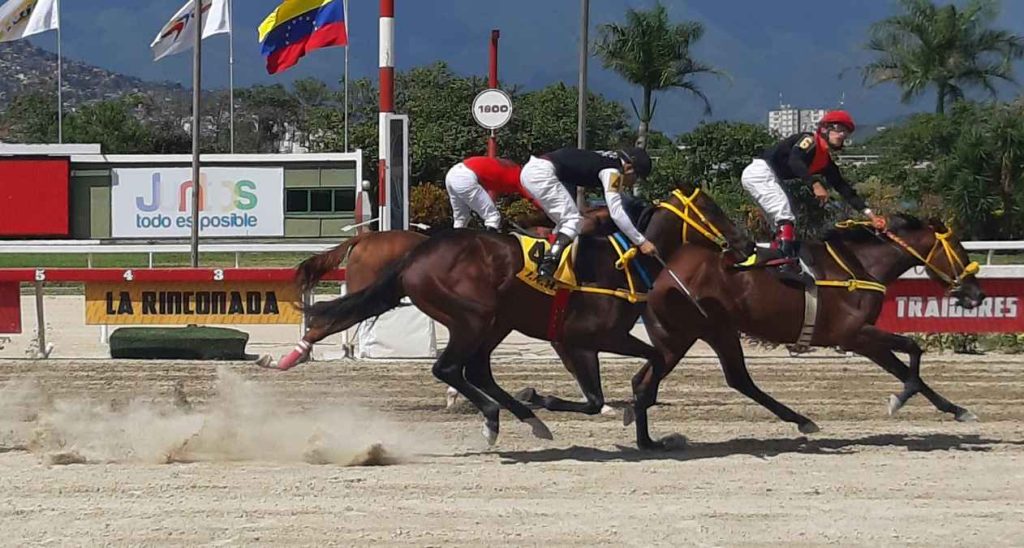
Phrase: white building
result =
(788, 120)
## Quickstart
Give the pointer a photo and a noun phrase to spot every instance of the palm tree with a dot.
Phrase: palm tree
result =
(653, 53)
(945, 47)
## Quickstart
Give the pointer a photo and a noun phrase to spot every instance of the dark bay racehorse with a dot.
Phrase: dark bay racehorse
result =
(467, 281)
(756, 302)
(367, 255)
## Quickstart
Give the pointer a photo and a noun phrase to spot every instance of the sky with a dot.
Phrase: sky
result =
(796, 48)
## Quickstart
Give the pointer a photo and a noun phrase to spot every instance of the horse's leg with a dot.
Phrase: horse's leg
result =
(478, 372)
(873, 339)
(673, 345)
(727, 346)
(645, 387)
(584, 366)
(890, 362)
(448, 368)
(301, 351)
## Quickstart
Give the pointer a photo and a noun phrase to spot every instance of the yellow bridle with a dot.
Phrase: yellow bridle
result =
(701, 224)
(960, 271)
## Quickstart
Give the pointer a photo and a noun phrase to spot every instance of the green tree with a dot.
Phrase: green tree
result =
(265, 117)
(442, 129)
(112, 124)
(31, 118)
(947, 48)
(965, 167)
(546, 120)
(714, 156)
(652, 52)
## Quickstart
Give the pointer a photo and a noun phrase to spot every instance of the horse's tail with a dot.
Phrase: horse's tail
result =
(342, 313)
(309, 272)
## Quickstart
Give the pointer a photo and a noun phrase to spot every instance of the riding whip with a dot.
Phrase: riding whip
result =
(681, 285)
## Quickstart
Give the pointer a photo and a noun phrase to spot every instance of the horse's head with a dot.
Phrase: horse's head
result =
(690, 216)
(942, 254)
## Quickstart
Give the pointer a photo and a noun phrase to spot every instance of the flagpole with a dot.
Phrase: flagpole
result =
(348, 41)
(197, 73)
(231, 69)
(60, 82)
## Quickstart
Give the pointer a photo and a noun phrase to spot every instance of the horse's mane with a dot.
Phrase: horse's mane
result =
(860, 234)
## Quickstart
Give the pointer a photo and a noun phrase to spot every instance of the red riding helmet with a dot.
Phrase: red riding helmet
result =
(840, 117)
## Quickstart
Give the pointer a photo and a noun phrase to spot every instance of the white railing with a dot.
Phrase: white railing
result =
(94, 247)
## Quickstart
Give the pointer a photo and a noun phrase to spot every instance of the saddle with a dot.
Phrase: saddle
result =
(534, 250)
(809, 279)
(566, 279)
(771, 259)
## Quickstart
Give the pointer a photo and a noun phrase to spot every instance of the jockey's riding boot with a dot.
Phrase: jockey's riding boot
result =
(789, 248)
(546, 271)
(492, 230)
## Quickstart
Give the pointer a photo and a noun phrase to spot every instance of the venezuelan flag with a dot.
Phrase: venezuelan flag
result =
(300, 26)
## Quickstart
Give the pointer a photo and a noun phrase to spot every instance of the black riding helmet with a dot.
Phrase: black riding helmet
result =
(639, 159)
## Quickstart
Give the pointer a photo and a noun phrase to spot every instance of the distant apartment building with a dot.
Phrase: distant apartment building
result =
(788, 120)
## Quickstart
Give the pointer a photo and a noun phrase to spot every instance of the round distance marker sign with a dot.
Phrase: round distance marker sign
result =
(492, 108)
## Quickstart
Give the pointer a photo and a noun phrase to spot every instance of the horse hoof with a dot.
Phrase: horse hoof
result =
(527, 395)
(451, 397)
(652, 446)
(673, 442)
(966, 416)
(809, 428)
(490, 434)
(894, 404)
(608, 411)
(628, 416)
(540, 429)
(266, 361)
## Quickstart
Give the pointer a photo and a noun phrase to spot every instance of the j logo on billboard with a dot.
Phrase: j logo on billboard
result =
(232, 202)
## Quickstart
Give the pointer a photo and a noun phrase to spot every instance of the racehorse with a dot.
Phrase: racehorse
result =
(854, 263)
(366, 255)
(467, 281)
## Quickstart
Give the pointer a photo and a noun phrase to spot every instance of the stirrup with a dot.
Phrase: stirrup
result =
(547, 278)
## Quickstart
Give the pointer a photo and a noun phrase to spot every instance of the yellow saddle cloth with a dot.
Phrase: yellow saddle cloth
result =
(534, 250)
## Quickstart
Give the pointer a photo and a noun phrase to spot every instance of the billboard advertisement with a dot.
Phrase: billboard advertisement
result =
(34, 197)
(142, 303)
(921, 306)
(233, 201)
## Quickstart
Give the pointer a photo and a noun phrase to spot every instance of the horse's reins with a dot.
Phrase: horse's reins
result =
(701, 224)
(960, 271)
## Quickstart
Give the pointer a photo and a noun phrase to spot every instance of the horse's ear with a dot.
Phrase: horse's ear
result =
(686, 187)
(938, 224)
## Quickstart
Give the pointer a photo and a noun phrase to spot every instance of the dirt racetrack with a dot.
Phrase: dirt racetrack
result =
(103, 452)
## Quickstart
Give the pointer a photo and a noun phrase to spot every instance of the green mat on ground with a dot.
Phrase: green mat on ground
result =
(178, 343)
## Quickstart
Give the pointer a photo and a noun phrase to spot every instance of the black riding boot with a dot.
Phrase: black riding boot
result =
(789, 248)
(549, 263)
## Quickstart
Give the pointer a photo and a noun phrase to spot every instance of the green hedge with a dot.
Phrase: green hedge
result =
(965, 343)
(178, 343)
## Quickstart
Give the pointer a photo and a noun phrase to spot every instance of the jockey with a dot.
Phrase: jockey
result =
(474, 183)
(615, 172)
(808, 157)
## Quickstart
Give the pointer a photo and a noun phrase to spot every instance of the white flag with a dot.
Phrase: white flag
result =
(178, 34)
(21, 18)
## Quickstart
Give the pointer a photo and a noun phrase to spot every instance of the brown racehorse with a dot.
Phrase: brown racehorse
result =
(366, 255)
(759, 304)
(467, 281)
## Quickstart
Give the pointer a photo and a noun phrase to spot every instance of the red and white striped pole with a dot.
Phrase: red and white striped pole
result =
(387, 102)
